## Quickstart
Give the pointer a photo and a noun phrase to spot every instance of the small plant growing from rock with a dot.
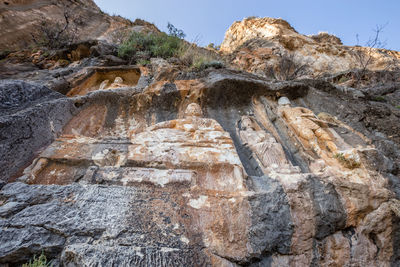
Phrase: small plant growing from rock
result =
(41, 261)
(199, 58)
(343, 79)
(203, 63)
(348, 163)
(143, 62)
(364, 58)
(173, 31)
(211, 46)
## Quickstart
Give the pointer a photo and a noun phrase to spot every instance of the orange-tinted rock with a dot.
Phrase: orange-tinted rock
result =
(94, 79)
(254, 45)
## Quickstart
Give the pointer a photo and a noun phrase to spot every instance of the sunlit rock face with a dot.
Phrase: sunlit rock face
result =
(20, 22)
(242, 31)
(256, 42)
(160, 166)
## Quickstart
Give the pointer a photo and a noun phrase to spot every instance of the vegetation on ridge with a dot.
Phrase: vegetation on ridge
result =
(139, 47)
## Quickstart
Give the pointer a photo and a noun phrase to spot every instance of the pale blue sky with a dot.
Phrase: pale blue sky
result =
(207, 20)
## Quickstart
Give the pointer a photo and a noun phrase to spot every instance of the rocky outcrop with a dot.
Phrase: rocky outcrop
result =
(258, 44)
(207, 171)
(21, 21)
(104, 164)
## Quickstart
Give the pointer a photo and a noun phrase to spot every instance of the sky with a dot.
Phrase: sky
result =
(206, 21)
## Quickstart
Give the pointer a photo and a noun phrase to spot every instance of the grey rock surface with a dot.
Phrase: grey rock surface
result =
(91, 225)
(270, 204)
(32, 116)
(16, 95)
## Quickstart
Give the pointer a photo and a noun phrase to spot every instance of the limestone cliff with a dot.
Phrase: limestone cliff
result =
(103, 163)
(20, 21)
(255, 44)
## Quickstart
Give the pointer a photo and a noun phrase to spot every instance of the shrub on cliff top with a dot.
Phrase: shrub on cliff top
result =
(152, 44)
(139, 45)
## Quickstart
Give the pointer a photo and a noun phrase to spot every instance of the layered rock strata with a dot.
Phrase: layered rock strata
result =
(104, 164)
(258, 45)
(207, 171)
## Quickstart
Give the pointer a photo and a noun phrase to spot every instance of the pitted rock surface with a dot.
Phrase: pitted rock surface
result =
(104, 164)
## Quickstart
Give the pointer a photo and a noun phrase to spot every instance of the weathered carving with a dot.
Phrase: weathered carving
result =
(308, 128)
(118, 83)
(104, 84)
(267, 150)
(141, 177)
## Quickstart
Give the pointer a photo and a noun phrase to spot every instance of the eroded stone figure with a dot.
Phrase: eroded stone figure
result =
(118, 83)
(104, 84)
(267, 150)
(191, 142)
(308, 127)
(193, 121)
(201, 146)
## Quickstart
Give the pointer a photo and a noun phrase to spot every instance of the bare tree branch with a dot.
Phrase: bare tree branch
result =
(287, 67)
(364, 57)
(57, 35)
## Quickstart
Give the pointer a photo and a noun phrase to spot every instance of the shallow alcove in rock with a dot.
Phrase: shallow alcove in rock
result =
(99, 78)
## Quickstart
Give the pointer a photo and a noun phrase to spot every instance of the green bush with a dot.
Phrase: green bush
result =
(143, 62)
(202, 63)
(140, 47)
(38, 262)
(149, 45)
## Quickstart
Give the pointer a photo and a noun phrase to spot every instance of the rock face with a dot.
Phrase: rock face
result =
(32, 115)
(20, 22)
(216, 175)
(255, 44)
(158, 166)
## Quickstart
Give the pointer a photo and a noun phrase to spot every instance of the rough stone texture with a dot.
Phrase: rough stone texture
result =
(66, 218)
(156, 166)
(270, 204)
(20, 19)
(173, 186)
(254, 44)
(32, 115)
(16, 95)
